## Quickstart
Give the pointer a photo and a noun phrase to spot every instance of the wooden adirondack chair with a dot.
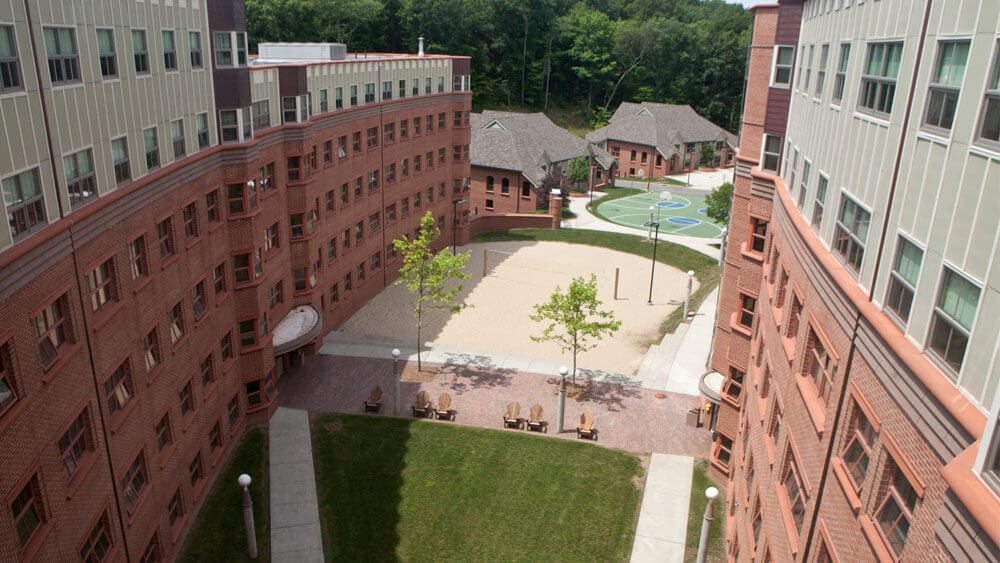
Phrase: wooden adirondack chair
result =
(535, 421)
(510, 418)
(443, 409)
(422, 406)
(586, 427)
(374, 401)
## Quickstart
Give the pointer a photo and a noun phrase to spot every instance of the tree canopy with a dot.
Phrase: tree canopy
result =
(718, 203)
(588, 56)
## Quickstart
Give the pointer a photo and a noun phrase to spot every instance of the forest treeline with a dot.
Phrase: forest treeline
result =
(538, 54)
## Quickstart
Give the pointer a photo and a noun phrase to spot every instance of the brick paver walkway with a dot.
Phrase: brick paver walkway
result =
(627, 417)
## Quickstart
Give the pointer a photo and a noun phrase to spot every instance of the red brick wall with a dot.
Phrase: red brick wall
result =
(48, 401)
(650, 169)
(511, 202)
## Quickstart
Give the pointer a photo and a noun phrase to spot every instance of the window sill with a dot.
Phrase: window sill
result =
(840, 471)
(769, 447)
(752, 255)
(154, 373)
(207, 314)
(65, 353)
(166, 452)
(119, 417)
(265, 194)
(197, 489)
(30, 549)
(176, 528)
(188, 243)
(187, 419)
(141, 283)
(786, 518)
(11, 414)
(209, 388)
(166, 262)
(81, 473)
(788, 346)
(215, 455)
(249, 284)
(178, 343)
(102, 316)
(303, 238)
(882, 551)
(817, 414)
(738, 327)
(719, 465)
(233, 430)
(263, 343)
(132, 514)
(228, 365)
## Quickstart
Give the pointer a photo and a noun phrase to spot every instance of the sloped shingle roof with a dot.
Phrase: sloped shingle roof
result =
(522, 141)
(655, 124)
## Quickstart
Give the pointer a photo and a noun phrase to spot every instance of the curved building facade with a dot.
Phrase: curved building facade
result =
(859, 315)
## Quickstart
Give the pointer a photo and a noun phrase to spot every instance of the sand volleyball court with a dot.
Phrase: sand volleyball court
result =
(522, 274)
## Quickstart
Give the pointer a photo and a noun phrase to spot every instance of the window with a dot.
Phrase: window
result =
(792, 330)
(334, 294)
(824, 54)
(903, 278)
(386, 90)
(441, 121)
(74, 444)
(226, 346)
(440, 84)
(429, 123)
(324, 101)
(373, 223)
(175, 318)
(415, 86)
(198, 303)
(151, 350)
(734, 384)
(775, 423)
(186, 398)
(27, 511)
(820, 202)
(791, 482)
(248, 332)
(369, 92)
(954, 312)
(165, 236)
(427, 85)
(215, 436)
(945, 84)
(838, 79)
(80, 179)
(819, 366)
(140, 54)
(989, 126)
(723, 449)
(137, 257)
(354, 94)
(267, 177)
(223, 49)
(274, 294)
(119, 157)
(230, 126)
(10, 67)
(772, 153)
(8, 394)
(747, 307)
(361, 272)
(219, 278)
(98, 542)
(858, 449)
(50, 329)
(289, 110)
(234, 411)
(105, 52)
(100, 285)
(190, 216)
(208, 370)
(758, 234)
(118, 389)
(878, 80)
(195, 470)
(851, 232)
(371, 137)
(175, 508)
(242, 197)
(347, 282)
(375, 261)
(271, 237)
(302, 224)
(338, 97)
(809, 65)
(164, 433)
(260, 112)
(388, 132)
(169, 51)
(25, 207)
(64, 62)
(896, 509)
(203, 140)
(194, 46)
(152, 146)
(247, 268)
(390, 173)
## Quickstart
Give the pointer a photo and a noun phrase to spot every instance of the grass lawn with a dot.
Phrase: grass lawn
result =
(705, 268)
(398, 489)
(218, 534)
(696, 511)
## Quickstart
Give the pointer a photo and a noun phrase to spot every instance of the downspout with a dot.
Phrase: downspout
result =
(871, 291)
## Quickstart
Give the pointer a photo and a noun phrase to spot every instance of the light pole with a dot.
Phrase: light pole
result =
(687, 298)
(652, 268)
(563, 370)
(706, 523)
(395, 379)
(244, 481)
(649, 232)
(454, 224)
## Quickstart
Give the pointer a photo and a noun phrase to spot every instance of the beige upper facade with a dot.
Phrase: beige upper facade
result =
(852, 116)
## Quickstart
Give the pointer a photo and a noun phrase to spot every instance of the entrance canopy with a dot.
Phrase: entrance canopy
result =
(300, 326)
(710, 386)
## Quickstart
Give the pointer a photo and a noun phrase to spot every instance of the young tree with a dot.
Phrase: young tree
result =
(429, 275)
(719, 202)
(575, 322)
(707, 154)
(578, 170)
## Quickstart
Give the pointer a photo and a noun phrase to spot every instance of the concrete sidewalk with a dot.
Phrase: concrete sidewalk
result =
(663, 519)
(295, 529)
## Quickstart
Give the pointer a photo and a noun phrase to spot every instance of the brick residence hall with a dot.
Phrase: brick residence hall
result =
(184, 221)
(857, 342)
(652, 140)
(513, 152)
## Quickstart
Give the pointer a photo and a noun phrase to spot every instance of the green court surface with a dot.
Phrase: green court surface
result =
(681, 215)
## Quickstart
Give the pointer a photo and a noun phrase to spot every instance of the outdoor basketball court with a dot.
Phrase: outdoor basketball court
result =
(677, 214)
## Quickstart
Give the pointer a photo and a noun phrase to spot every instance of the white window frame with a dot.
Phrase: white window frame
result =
(987, 95)
(764, 154)
(774, 67)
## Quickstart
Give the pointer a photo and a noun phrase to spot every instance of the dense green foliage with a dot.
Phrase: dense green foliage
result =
(218, 534)
(719, 202)
(579, 171)
(393, 489)
(534, 54)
